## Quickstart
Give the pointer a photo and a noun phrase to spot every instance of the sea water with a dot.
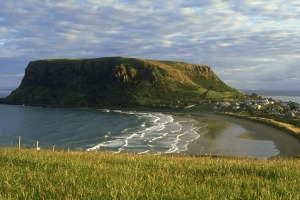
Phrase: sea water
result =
(285, 98)
(293, 96)
(96, 129)
(123, 131)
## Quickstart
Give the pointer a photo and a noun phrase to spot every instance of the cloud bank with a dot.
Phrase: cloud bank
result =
(249, 44)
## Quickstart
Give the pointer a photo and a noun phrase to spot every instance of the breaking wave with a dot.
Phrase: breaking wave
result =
(156, 133)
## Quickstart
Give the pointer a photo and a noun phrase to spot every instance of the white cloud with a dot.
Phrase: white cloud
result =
(252, 41)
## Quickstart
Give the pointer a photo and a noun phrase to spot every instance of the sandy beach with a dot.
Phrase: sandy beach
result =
(232, 136)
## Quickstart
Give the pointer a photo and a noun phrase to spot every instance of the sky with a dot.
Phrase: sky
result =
(249, 44)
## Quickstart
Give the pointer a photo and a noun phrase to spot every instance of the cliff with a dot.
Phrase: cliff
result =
(117, 81)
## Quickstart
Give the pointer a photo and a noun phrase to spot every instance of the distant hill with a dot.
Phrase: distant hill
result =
(118, 81)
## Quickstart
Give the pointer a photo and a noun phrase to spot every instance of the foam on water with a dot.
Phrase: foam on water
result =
(158, 133)
(130, 131)
(105, 110)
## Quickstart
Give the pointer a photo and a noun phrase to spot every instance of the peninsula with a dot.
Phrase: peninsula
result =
(118, 81)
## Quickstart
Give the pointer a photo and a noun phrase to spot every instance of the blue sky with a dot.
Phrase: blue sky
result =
(249, 44)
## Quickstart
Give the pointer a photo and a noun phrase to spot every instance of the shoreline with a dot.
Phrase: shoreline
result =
(288, 128)
(288, 144)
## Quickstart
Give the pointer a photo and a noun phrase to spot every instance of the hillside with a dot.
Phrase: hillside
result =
(31, 174)
(117, 81)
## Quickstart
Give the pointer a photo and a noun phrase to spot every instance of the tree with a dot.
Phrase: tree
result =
(254, 95)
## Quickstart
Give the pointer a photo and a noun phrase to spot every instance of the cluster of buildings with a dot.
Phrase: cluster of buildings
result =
(261, 105)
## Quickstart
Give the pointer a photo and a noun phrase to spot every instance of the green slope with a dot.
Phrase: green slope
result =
(117, 81)
(31, 174)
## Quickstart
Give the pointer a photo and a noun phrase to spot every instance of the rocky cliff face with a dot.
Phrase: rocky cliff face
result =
(115, 81)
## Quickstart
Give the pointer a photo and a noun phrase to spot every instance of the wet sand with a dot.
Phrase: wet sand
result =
(232, 136)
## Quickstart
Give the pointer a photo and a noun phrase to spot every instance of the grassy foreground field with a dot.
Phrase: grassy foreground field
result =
(31, 174)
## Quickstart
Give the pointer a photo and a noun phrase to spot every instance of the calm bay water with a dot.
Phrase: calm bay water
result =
(126, 131)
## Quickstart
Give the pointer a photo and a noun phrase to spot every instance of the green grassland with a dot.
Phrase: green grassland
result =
(31, 174)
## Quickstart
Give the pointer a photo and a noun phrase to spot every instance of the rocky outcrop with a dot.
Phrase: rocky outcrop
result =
(123, 73)
(114, 81)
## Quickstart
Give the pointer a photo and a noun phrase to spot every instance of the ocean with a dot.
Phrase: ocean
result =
(94, 129)
(130, 131)
(293, 96)
(133, 131)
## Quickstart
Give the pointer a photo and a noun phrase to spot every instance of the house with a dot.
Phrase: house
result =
(272, 112)
(225, 104)
(247, 103)
(236, 107)
(256, 107)
(263, 102)
(290, 114)
(297, 106)
(271, 102)
(285, 105)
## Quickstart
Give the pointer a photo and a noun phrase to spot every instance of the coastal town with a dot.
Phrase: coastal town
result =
(284, 111)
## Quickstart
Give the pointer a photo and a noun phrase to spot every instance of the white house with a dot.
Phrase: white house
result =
(263, 102)
(225, 104)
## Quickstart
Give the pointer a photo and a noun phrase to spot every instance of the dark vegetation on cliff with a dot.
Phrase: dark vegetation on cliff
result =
(118, 81)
